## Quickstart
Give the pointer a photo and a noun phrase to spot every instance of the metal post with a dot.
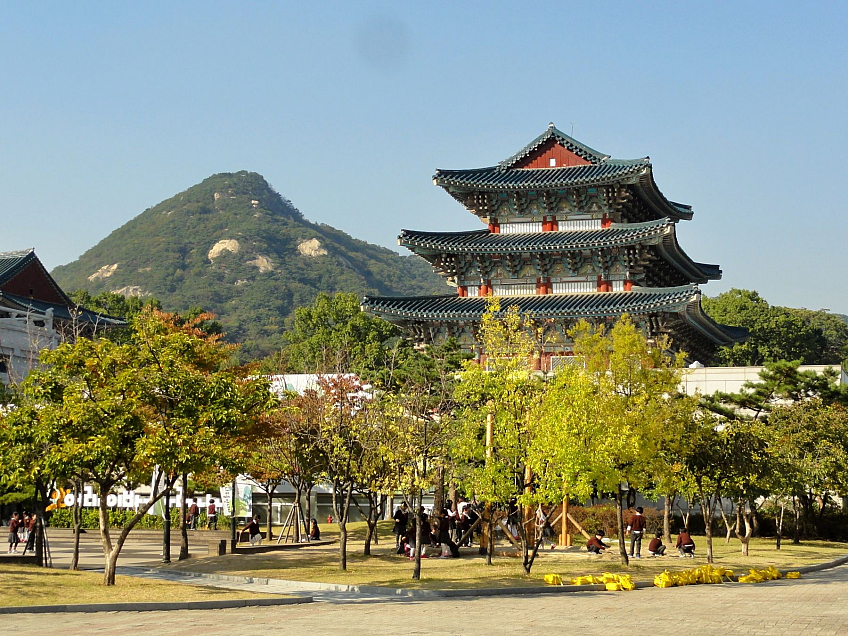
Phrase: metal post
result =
(233, 539)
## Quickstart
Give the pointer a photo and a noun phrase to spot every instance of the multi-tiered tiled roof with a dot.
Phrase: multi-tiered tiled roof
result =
(572, 233)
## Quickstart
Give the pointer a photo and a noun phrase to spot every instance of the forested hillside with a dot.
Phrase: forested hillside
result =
(234, 246)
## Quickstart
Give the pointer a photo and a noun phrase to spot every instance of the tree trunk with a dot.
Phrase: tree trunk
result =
(371, 520)
(77, 516)
(439, 494)
(342, 546)
(529, 562)
(729, 528)
(416, 570)
(183, 525)
(667, 504)
(796, 531)
(524, 538)
(779, 525)
(166, 529)
(270, 492)
(619, 512)
(106, 539)
(707, 512)
(111, 552)
(309, 504)
(381, 510)
(490, 545)
(343, 513)
(109, 570)
(742, 515)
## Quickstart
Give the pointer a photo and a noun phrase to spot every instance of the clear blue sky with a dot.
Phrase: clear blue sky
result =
(347, 108)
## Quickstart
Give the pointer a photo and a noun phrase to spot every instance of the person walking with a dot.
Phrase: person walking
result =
(193, 514)
(636, 530)
(14, 524)
(212, 516)
(31, 525)
(401, 517)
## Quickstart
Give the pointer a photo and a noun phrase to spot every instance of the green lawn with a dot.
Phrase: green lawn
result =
(32, 585)
(384, 568)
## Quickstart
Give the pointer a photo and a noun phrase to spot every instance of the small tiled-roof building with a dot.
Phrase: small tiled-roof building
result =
(35, 314)
(571, 234)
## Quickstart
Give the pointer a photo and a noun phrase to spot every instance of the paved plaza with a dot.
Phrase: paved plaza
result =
(817, 604)
(143, 547)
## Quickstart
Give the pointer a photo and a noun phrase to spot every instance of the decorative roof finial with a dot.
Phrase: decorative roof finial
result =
(550, 124)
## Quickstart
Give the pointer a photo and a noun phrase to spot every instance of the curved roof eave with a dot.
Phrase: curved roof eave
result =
(671, 251)
(647, 187)
(722, 335)
(486, 242)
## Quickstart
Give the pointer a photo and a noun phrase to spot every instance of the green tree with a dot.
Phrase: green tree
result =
(776, 333)
(332, 335)
(113, 411)
(495, 401)
(809, 442)
(609, 415)
(343, 418)
(420, 411)
(780, 383)
(834, 329)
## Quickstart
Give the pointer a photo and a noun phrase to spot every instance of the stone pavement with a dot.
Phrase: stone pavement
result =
(817, 604)
(143, 547)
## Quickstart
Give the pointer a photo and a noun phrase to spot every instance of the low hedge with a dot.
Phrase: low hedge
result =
(118, 518)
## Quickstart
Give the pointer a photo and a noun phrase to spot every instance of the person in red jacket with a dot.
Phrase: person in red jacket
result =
(685, 545)
(636, 530)
(595, 545)
(14, 524)
(656, 547)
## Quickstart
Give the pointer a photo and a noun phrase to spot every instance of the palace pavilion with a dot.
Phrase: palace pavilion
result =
(571, 234)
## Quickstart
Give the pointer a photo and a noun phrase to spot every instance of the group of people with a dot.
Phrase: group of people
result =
(636, 529)
(22, 529)
(193, 516)
(444, 531)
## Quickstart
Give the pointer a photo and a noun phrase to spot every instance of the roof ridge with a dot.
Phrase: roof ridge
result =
(18, 253)
(552, 132)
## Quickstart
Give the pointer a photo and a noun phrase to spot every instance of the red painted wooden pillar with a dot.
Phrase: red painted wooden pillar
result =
(462, 290)
(628, 285)
(606, 221)
(495, 227)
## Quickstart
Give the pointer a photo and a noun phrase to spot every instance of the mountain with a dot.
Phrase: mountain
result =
(234, 246)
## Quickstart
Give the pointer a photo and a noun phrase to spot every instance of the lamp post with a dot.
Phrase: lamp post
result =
(233, 539)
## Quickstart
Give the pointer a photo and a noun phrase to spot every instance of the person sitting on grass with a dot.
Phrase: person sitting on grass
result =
(685, 545)
(314, 531)
(656, 547)
(253, 528)
(596, 545)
